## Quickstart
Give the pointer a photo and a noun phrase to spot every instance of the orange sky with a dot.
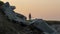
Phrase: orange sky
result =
(45, 9)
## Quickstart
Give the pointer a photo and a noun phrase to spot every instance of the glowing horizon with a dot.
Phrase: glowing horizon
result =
(45, 9)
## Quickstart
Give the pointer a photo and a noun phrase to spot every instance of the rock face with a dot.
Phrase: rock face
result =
(10, 27)
(13, 27)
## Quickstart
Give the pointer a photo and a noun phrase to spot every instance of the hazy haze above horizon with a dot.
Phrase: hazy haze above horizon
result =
(45, 9)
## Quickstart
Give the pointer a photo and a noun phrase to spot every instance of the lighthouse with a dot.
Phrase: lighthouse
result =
(29, 16)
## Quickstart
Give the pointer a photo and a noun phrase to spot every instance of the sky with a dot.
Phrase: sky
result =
(42, 9)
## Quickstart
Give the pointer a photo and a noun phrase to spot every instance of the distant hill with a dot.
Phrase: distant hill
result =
(53, 22)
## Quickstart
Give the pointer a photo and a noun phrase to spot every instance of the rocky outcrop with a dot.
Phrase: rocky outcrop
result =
(11, 27)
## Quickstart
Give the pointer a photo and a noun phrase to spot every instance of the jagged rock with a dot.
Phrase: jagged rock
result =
(10, 27)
